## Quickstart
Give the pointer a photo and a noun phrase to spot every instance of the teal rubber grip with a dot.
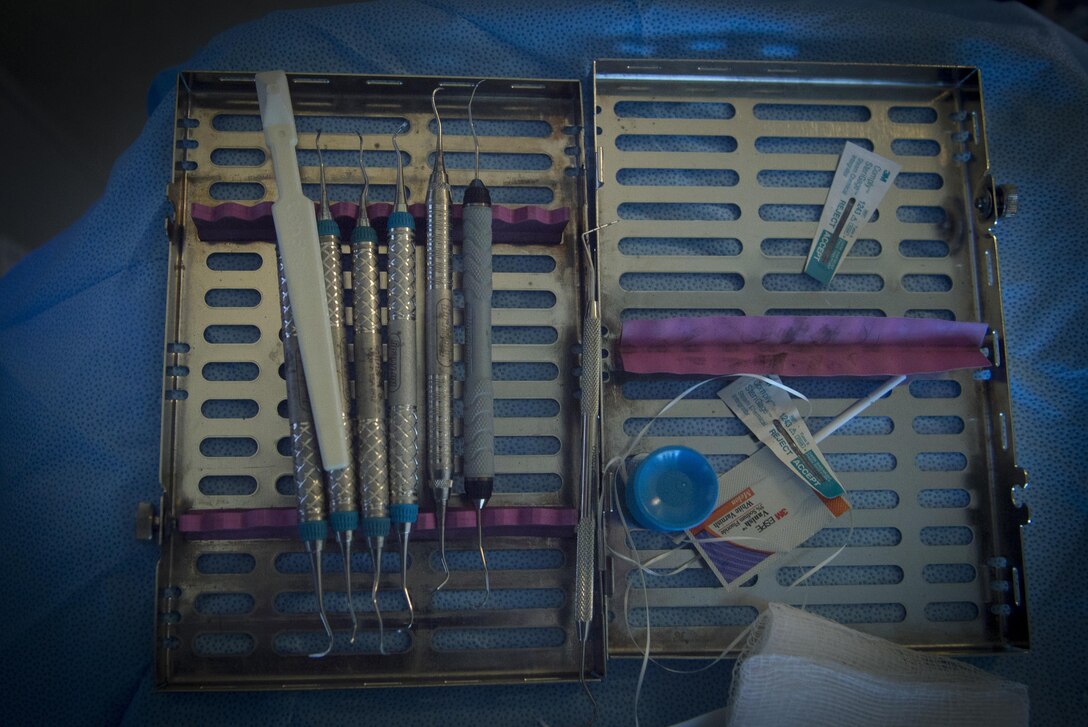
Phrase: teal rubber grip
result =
(364, 234)
(376, 527)
(344, 521)
(401, 219)
(313, 530)
(328, 227)
(403, 512)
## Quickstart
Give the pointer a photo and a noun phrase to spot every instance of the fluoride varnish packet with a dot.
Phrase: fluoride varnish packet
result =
(770, 503)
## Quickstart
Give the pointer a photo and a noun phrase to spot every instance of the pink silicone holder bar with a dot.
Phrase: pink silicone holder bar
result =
(281, 523)
(234, 222)
(800, 345)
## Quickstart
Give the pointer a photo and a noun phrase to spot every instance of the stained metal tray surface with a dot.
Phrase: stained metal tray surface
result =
(717, 173)
(241, 613)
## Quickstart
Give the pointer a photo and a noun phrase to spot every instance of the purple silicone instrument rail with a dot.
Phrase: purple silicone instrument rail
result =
(801, 345)
(233, 222)
(282, 522)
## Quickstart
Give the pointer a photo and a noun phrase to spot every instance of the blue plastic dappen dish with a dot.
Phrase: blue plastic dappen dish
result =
(674, 488)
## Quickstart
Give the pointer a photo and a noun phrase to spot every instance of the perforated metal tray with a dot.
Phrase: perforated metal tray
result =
(937, 559)
(241, 613)
(718, 172)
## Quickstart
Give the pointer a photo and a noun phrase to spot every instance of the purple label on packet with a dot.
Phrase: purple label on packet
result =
(731, 560)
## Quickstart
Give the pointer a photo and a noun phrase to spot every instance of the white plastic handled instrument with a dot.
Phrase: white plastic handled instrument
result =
(296, 235)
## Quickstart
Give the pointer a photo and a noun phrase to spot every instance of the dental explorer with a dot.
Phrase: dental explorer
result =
(369, 398)
(479, 396)
(439, 342)
(343, 510)
(312, 527)
(590, 384)
(403, 419)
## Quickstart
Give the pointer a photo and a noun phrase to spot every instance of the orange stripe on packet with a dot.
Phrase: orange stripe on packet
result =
(736, 500)
(837, 505)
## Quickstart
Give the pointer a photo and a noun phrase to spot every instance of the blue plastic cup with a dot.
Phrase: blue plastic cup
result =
(674, 488)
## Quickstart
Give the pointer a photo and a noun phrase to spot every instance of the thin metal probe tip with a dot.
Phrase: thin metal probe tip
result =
(404, 580)
(315, 548)
(362, 219)
(585, 685)
(472, 127)
(325, 213)
(591, 291)
(399, 203)
(442, 544)
(376, 556)
(587, 233)
(438, 123)
(345, 539)
(483, 555)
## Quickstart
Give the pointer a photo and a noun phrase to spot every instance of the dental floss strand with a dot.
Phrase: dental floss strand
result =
(617, 468)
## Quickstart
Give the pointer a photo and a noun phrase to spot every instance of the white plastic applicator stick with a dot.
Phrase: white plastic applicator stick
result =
(856, 408)
(296, 236)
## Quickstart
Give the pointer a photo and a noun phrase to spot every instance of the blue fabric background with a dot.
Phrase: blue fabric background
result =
(81, 336)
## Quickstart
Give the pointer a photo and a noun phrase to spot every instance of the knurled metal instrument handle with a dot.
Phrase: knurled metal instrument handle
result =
(591, 387)
(369, 398)
(403, 421)
(341, 480)
(584, 565)
(373, 467)
(439, 335)
(586, 531)
(306, 462)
